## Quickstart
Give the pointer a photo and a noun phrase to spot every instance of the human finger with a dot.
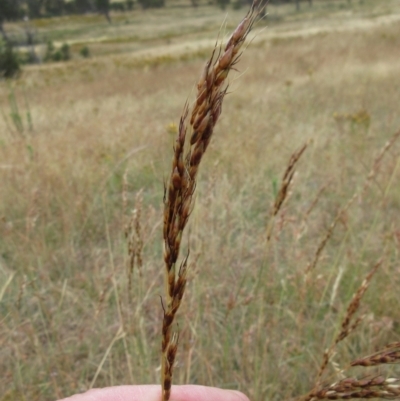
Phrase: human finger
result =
(153, 393)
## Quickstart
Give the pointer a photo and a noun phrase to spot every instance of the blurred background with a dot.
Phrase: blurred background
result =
(91, 93)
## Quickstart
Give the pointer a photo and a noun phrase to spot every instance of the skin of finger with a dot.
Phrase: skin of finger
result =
(153, 393)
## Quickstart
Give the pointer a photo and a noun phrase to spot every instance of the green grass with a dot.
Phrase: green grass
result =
(249, 320)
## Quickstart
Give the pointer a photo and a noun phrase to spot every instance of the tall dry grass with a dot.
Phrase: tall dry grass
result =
(70, 320)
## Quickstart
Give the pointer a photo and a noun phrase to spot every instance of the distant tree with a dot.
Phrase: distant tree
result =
(35, 8)
(50, 49)
(9, 61)
(84, 52)
(54, 7)
(310, 3)
(30, 41)
(9, 10)
(103, 7)
(129, 4)
(61, 54)
(152, 3)
(69, 7)
(263, 8)
(262, 4)
(65, 52)
(83, 6)
(117, 6)
(223, 3)
(237, 4)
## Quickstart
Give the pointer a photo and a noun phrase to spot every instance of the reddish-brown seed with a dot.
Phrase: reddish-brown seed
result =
(195, 137)
(204, 74)
(226, 59)
(221, 77)
(194, 113)
(210, 78)
(241, 29)
(237, 47)
(202, 94)
(193, 171)
(203, 124)
(176, 179)
(197, 154)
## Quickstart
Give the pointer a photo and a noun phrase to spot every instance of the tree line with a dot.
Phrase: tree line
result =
(16, 9)
(13, 10)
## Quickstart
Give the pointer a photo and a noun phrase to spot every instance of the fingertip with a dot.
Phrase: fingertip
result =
(202, 393)
(239, 395)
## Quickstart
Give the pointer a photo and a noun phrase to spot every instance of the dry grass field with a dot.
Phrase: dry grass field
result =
(86, 144)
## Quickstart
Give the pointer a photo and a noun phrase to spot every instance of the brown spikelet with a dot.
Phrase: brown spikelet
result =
(347, 326)
(134, 237)
(179, 191)
(284, 188)
(287, 179)
(329, 234)
(389, 355)
(369, 387)
(378, 159)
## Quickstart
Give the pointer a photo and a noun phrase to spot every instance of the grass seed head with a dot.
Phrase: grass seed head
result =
(182, 182)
